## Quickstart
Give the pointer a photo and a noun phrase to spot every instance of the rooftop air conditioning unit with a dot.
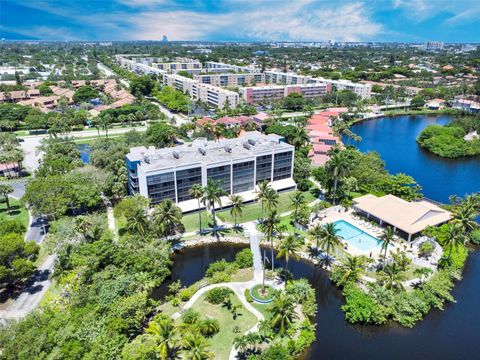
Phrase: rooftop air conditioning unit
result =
(227, 148)
(246, 145)
(202, 151)
(176, 155)
(251, 142)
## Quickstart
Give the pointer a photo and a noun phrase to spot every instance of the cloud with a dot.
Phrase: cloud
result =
(299, 20)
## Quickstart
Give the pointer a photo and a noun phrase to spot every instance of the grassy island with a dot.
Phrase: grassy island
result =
(457, 139)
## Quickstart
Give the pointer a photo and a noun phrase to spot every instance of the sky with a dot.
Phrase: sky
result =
(242, 20)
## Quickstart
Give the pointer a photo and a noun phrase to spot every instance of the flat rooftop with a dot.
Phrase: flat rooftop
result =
(201, 151)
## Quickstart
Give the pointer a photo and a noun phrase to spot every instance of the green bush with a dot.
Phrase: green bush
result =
(276, 352)
(244, 259)
(475, 236)
(248, 296)
(304, 339)
(361, 308)
(221, 266)
(209, 327)
(190, 317)
(186, 293)
(426, 249)
(218, 295)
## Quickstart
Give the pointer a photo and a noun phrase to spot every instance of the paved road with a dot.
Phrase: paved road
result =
(37, 230)
(31, 296)
(109, 72)
(18, 188)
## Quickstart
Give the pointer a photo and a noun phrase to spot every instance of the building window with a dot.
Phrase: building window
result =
(282, 168)
(161, 187)
(185, 180)
(243, 176)
(264, 168)
(221, 174)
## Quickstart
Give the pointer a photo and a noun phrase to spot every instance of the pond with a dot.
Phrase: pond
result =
(85, 151)
(451, 334)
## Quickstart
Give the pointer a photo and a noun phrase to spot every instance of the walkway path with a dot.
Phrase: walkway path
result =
(31, 295)
(251, 231)
(110, 217)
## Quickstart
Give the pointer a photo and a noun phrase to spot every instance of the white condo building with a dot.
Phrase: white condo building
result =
(237, 164)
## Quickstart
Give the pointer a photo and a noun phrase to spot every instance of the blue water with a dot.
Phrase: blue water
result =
(394, 139)
(84, 152)
(356, 237)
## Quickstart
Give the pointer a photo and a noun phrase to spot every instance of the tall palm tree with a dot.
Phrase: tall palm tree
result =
(339, 166)
(464, 216)
(236, 209)
(387, 239)
(269, 226)
(196, 192)
(5, 190)
(212, 194)
(165, 333)
(283, 312)
(289, 248)
(240, 343)
(299, 137)
(168, 218)
(271, 199)
(297, 201)
(392, 276)
(330, 240)
(316, 233)
(351, 269)
(262, 190)
(137, 221)
(455, 239)
(196, 347)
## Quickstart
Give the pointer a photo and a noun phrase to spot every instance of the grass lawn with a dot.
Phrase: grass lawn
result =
(221, 343)
(253, 211)
(264, 309)
(120, 225)
(190, 221)
(409, 274)
(17, 212)
(243, 275)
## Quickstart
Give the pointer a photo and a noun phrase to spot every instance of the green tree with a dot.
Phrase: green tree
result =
(196, 347)
(5, 190)
(211, 196)
(387, 239)
(269, 226)
(392, 276)
(338, 166)
(137, 222)
(85, 94)
(196, 192)
(329, 240)
(350, 270)
(167, 218)
(289, 248)
(283, 312)
(166, 335)
(236, 202)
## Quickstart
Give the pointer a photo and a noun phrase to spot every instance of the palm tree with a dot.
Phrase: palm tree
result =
(392, 276)
(236, 209)
(168, 218)
(234, 309)
(316, 233)
(165, 333)
(196, 347)
(196, 192)
(137, 221)
(387, 238)
(262, 190)
(252, 339)
(240, 343)
(342, 127)
(269, 226)
(339, 166)
(464, 216)
(289, 248)
(351, 269)
(212, 194)
(271, 199)
(5, 190)
(208, 327)
(330, 239)
(283, 312)
(455, 239)
(423, 273)
(299, 137)
(299, 206)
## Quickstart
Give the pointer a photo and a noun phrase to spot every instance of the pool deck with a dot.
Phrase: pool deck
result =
(374, 231)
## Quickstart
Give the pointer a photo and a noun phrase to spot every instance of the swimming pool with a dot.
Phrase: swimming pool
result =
(356, 237)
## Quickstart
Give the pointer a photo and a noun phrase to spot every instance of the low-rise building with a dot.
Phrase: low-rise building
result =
(237, 164)
(259, 94)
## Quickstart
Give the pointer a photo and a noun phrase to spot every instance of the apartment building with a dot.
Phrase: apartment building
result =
(230, 79)
(259, 94)
(174, 67)
(210, 94)
(237, 164)
(364, 91)
(237, 68)
(276, 77)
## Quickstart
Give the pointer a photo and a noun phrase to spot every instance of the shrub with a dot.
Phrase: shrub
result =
(186, 293)
(248, 296)
(304, 339)
(190, 317)
(220, 277)
(209, 327)
(475, 236)
(218, 295)
(221, 266)
(426, 249)
(244, 259)
(361, 308)
(275, 352)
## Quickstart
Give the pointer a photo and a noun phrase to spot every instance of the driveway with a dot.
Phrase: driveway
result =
(31, 295)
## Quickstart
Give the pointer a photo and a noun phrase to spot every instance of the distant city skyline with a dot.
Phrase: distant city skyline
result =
(241, 20)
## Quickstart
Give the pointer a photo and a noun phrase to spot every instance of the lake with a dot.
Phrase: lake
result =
(394, 139)
(85, 151)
